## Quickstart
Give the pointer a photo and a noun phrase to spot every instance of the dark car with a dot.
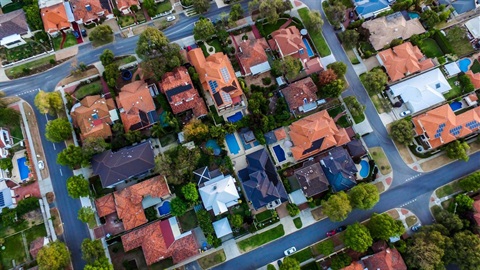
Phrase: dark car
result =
(84, 33)
(75, 34)
(331, 233)
(351, 15)
(341, 229)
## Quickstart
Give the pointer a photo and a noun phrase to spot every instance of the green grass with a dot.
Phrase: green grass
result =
(140, 16)
(126, 60)
(298, 222)
(461, 46)
(125, 21)
(269, 28)
(69, 41)
(188, 221)
(343, 121)
(448, 189)
(167, 139)
(436, 209)
(411, 220)
(475, 68)
(14, 250)
(317, 37)
(211, 260)
(455, 91)
(164, 7)
(261, 238)
(18, 70)
(335, 111)
(93, 88)
(430, 48)
(380, 159)
(265, 215)
(302, 255)
(216, 44)
(35, 232)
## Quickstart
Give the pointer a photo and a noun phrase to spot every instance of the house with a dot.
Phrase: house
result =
(218, 78)
(261, 183)
(38, 244)
(55, 19)
(314, 134)
(136, 106)
(6, 142)
(403, 60)
(473, 26)
(474, 78)
(87, 11)
(422, 91)
(160, 240)
(311, 178)
(441, 125)
(7, 196)
(252, 57)
(125, 5)
(394, 26)
(93, 115)
(301, 95)
(476, 210)
(181, 95)
(339, 169)
(222, 227)
(114, 168)
(356, 149)
(367, 9)
(388, 259)
(460, 6)
(13, 29)
(219, 193)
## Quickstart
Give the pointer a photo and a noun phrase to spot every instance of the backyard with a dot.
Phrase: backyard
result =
(430, 48)
(18, 71)
(456, 89)
(93, 88)
(475, 68)
(317, 36)
(459, 41)
(261, 239)
(188, 221)
(69, 41)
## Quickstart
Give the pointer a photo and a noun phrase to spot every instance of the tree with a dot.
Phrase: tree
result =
(133, 136)
(290, 263)
(337, 207)
(458, 150)
(236, 220)
(6, 164)
(157, 130)
(73, 157)
(383, 226)
(150, 7)
(326, 77)
(466, 84)
(201, 6)
(236, 12)
(340, 261)
(203, 29)
(293, 209)
(269, 9)
(54, 256)
(314, 22)
(357, 237)
(178, 207)
(471, 182)
(451, 221)
(94, 145)
(151, 43)
(465, 250)
(190, 193)
(217, 132)
(339, 68)
(335, 13)
(430, 18)
(86, 214)
(101, 34)
(205, 222)
(364, 196)
(32, 13)
(2, 241)
(107, 57)
(355, 108)
(48, 102)
(92, 250)
(195, 130)
(78, 186)
(9, 115)
(402, 132)
(111, 75)
(464, 202)
(177, 164)
(9, 217)
(374, 81)
(326, 247)
(333, 89)
(426, 250)
(100, 264)
(288, 66)
(349, 38)
(58, 130)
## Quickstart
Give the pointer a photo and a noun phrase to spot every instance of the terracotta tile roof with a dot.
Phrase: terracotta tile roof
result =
(252, 53)
(389, 259)
(124, 4)
(476, 206)
(133, 100)
(313, 66)
(86, 10)
(156, 242)
(403, 60)
(54, 18)
(288, 41)
(217, 76)
(181, 95)
(92, 116)
(354, 266)
(314, 134)
(105, 205)
(442, 126)
(280, 133)
(475, 78)
(295, 93)
(36, 245)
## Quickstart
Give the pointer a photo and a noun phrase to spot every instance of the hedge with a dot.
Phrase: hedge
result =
(443, 42)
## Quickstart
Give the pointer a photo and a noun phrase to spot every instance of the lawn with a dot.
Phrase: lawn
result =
(140, 16)
(448, 189)
(125, 21)
(344, 122)
(14, 250)
(317, 37)
(188, 221)
(18, 70)
(298, 222)
(475, 68)
(411, 220)
(455, 91)
(211, 260)
(261, 238)
(335, 111)
(125, 60)
(460, 44)
(35, 232)
(380, 159)
(302, 255)
(164, 7)
(430, 48)
(265, 215)
(213, 42)
(70, 41)
(269, 28)
(93, 88)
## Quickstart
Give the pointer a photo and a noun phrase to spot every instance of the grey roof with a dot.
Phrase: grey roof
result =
(355, 148)
(5, 198)
(311, 179)
(114, 167)
(462, 6)
(340, 169)
(13, 23)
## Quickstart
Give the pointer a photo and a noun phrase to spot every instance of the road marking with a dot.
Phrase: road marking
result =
(119, 47)
(412, 177)
(61, 173)
(54, 147)
(46, 117)
(409, 202)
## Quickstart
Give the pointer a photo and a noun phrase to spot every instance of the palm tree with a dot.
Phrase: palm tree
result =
(157, 130)
(172, 121)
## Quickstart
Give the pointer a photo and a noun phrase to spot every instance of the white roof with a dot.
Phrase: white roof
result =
(297, 197)
(5, 2)
(422, 91)
(260, 68)
(219, 194)
(48, 3)
(69, 11)
(222, 227)
(452, 68)
(10, 39)
(473, 26)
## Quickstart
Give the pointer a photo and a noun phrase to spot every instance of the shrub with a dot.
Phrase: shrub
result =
(442, 42)
(52, 62)
(293, 209)
(266, 80)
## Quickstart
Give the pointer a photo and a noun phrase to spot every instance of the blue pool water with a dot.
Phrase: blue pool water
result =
(463, 64)
(232, 144)
(365, 168)
(456, 105)
(23, 168)
(214, 146)
(164, 209)
(413, 15)
(309, 49)
(279, 153)
(235, 118)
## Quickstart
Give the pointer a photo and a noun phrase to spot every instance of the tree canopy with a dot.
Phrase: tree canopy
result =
(464, 202)
(196, 130)
(86, 214)
(314, 22)
(333, 89)
(337, 207)
(335, 13)
(92, 250)
(288, 66)
(100, 264)
(78, 186)
(426, 249)
(470, 182)
(236, 12)
(402, 132)
(54, 256)
(190, 192)
(357, 237)
(430, 18)
(201, 6)
(203, 29)
(465, 250)
(290, 263)
(364, 196)
(73, 157)
(48, 102)
(111, 74)
(339, 68)
(58, 130)
(178, 206)
(340, 261)
(236, 220)
(374, 81)
(449, 220)
(458, 150)
(107, 57)
(177, 164)
(101, 34)
(349, 38)
(151, 43)
(383, 226)
(269, 9)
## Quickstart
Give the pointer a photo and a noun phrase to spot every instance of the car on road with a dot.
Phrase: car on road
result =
(75, 34)
(340, 229)
(416, 227)
(290, 251)
(41, 165)
(171, 18)
(405, 113)
(331, 233)
(84, 33)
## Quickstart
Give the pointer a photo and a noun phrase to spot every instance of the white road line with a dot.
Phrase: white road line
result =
(61, 173)
(54, 147)
(46, 117)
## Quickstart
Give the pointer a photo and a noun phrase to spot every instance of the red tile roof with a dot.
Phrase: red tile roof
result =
(288, 41)
(313, 66)
(124, 4)
(296, 92)
(134, 98)
(475, 78)
(389, 259)
(252, 53)
(354, 266)
(54, 18)
(93, 117)
(36, 245)
(81, 12)
(105, 205)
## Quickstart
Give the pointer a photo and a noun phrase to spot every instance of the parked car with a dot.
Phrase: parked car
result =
(84, 33)
(350, 15)
(331, 233)
(290, 251)
(405, 113)
(171, 18)
(416, 227)
(340, 229)
(75, 34)
(41, 165)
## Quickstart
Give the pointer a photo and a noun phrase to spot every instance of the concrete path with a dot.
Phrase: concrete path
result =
(327, 60)
(231, 249)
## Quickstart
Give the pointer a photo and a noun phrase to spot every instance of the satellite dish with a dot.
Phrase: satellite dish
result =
(303, 32)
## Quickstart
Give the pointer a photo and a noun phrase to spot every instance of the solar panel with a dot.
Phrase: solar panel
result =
(437, 135)
(225, 74)
(2, 202)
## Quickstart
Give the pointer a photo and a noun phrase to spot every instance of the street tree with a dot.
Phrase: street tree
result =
(111, 75)
(236, 12)
(9, 115)
(269, 9)
(383, 226)
(54, 256)
(339, 68)
(178, 207)
(92, 250)
(236, 220)
(293, 209)
(340, 261)
(58, 130)
(48, 102)
(86, 214)
(426, 249)
(314, 22)
(203, 29)
(374, 81)
(73, 157)
(402, 132)
(458, 150)
(78, 186)
(151, 43)
(201, 6)
(451, 221)
(357, 237)
(196, 130)
(290, 263)
(32, 14)
(101, 34)
(333, 89)
(326, 77)
(150, 7)
(190, 192)
(471, 182)
(100, 264)
(107, 57)
(465, 250)
(464, 203)
(288, 66)
(335, 13)
(364, 196)
(337, 207)
(349, 38)
(326, 247)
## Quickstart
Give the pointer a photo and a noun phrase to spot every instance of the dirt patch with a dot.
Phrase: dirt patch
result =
(10, 100)
(393, 213)
(35, 134)
(317, 214)
(34, 217)
(90, 72)
(380, 187)
(66, 53)
(435, 162)
(57, 221)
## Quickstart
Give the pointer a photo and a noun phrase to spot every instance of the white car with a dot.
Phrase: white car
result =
(41, 165)
(405, 113)
(171, 18)
(290, 251)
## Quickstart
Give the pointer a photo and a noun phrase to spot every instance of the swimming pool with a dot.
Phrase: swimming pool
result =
(23, 168)
(235, 118)
(214, 146)
(365, 168)
(232, 144)
(164, 209)
(413, 15)
(456, 105)
(309, 49)
(463, 64)
(279, 153)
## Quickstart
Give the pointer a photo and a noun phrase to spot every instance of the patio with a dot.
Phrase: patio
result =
(112, 226)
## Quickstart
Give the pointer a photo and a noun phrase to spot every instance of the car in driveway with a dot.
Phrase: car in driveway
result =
(331, 233)
(405, 113)
(75, 34)
(171, 18)
(41, 165)
(84, 33)
(290, 251)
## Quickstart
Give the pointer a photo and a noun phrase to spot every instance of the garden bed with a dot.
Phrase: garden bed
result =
(448, 189)
(93, 88)
(213, 259)
(163, 7)
(125, 21)
(302, 255)
(298, 222)
(411, 220)
(261, 239)
(21, 52)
